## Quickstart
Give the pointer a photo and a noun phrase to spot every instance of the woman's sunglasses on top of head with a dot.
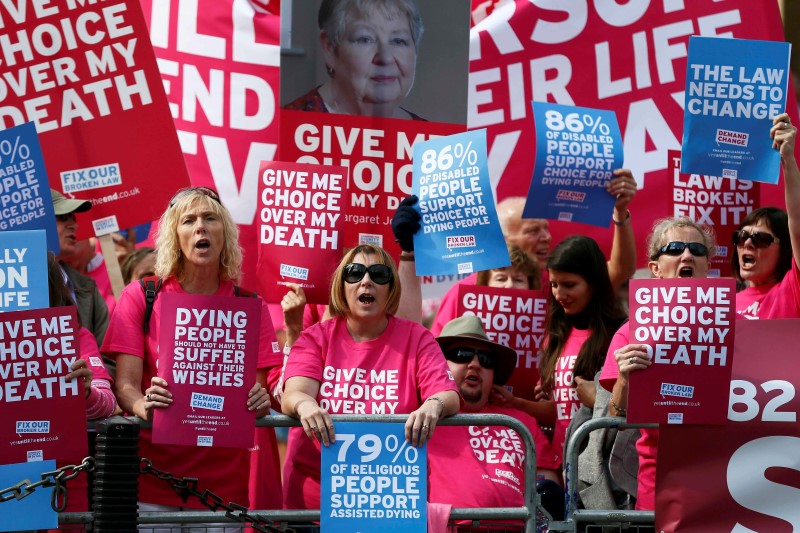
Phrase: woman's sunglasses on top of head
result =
(380, 274)
(208, 191)
(676, 248)
(760, 239)
(464, 356)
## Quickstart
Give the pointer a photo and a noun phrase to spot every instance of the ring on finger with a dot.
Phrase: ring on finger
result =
(312, 428)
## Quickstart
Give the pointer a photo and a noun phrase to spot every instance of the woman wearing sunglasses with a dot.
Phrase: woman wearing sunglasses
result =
(362, 361)
(767, 244)
(678, 248)
(198, 253)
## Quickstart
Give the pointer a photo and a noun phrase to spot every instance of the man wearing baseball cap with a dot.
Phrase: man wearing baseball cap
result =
(92, 309)
(483, 466)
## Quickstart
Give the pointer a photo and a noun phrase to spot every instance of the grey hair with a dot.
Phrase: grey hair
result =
(333, 15)
(663, 225)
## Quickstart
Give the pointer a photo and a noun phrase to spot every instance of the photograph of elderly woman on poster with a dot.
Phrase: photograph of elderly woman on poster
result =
(363, 58)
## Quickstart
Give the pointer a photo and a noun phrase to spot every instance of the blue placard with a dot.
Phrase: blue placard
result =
(577, 148)
(460, 233)
(25, 201)
(23, 270)
(373, 481)
(33, 511)
(734, 88)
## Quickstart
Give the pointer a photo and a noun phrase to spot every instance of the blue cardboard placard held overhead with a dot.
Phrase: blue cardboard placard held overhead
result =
(373, 481)
(25, 201)
(734, 90)
(23, 270)
(33, 511)
(460, 232)
(577, 150)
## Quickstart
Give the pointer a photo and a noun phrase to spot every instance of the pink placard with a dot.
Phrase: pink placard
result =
(688, 326)
(209, 352)
(42, 416)
(301, 228)
(720, 203)
(513, 318)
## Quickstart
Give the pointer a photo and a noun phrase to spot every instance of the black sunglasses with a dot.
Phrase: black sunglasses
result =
(675, 248)
(464, 356)
(208, 191)
(380, 274)
(759, 238)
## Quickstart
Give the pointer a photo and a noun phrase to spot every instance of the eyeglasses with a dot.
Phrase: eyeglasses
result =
(760, 239)
(208, 191)
(465, 356)
(66, 218)
(676, 248)
(380, 274)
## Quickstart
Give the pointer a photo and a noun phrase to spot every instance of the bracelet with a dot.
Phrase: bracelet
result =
(406, 256)
(622, 222)
(620, 411)
(441, 402)
(286, 349)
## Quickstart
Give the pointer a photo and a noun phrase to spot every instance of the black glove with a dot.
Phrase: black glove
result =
(405, 223)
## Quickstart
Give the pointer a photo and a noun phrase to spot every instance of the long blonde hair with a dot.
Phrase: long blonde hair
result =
(169, 261)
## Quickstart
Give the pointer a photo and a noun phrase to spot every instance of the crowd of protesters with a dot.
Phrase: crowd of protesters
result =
(373, 320)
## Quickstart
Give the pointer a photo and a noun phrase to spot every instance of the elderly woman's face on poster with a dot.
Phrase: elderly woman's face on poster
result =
(375, 59)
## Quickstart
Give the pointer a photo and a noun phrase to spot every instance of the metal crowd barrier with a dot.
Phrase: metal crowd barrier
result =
(119, 427)
(575, 518)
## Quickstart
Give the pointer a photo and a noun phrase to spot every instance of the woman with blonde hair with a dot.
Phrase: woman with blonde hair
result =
(198, 253)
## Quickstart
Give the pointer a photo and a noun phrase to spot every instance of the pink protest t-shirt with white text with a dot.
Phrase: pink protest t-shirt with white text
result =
(778, 300)
(564, 394)
(392, 374)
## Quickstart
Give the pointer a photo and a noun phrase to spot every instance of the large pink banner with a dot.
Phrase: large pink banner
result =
(688, 327)
(219, 60)
(42, 416)
(86, 74)
(210, 367)
(742, 476)
(627, 57)
(513, 318)
(377, 153)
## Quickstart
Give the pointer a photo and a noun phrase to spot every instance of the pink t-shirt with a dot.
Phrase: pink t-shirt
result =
(224, 471)
(647, 445)
(564, 394)
(777, 300)
(391, 374)
(484, 466)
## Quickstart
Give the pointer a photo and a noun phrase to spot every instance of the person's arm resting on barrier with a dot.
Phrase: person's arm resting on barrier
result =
(299, 401)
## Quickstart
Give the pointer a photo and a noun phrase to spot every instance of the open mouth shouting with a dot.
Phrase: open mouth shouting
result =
(686, 272)
(747, 260)
(366, 298)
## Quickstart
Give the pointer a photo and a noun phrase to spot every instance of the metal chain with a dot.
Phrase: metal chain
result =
(187, 487)
(57, 479)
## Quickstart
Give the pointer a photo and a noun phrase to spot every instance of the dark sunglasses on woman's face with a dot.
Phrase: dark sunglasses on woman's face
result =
(676, 248)
(759, 238)
(464, 356)
(211, 193)
(380, 274)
